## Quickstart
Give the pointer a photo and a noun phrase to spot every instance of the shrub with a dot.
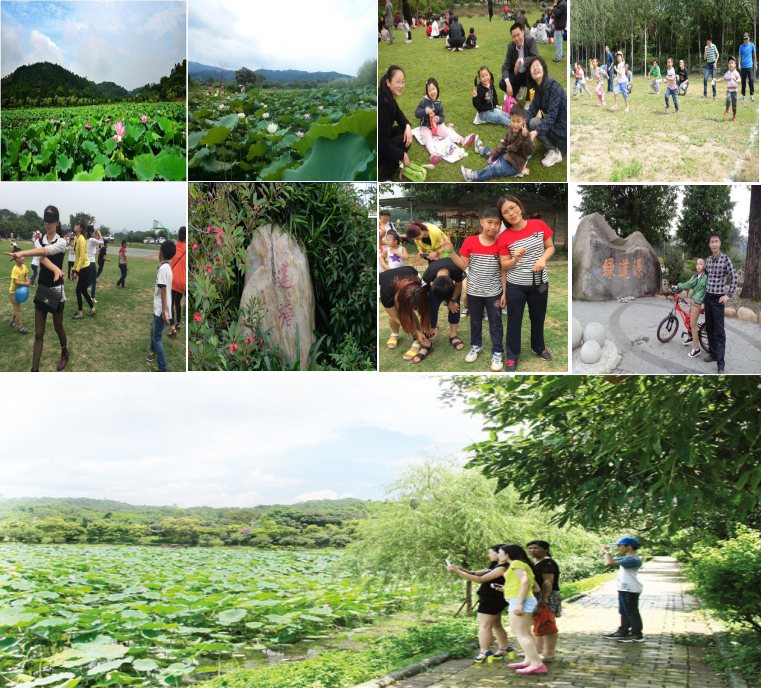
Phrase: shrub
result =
(673, 264)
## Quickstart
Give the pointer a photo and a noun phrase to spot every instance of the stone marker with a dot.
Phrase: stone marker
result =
(729, 312)
(606, 267)
(745, 314)
(595, 332)
(278, 272)
(577, 333)
(591, 352)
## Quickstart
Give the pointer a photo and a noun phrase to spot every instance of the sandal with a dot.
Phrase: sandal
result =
(454, 341)
(391, 344)
(420, 356)
(412, 352)
(173, 333)
(23, 330)
(13, 324)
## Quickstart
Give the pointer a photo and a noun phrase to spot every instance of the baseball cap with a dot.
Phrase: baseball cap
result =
(627, 540)
(746, 35)
(618, 52)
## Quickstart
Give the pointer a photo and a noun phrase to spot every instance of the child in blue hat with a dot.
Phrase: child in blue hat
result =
(629, 589)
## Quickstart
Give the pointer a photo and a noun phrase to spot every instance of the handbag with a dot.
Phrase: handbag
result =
(48, 298)
(540, 287)
(544, 623)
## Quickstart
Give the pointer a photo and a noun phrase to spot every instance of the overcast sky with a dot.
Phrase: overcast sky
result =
(131, 43)
(325, 36)
(118, 205)
(740, 194)
(221, 440)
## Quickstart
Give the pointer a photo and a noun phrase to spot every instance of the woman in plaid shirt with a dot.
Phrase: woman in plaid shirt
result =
(718, 268)
(551, 99)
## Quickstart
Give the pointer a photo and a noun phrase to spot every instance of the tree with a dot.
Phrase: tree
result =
(705, 209)
(630, 208)
(752, 280)
(654, 451)
(245, 77)
(557, 194)
(86, 218)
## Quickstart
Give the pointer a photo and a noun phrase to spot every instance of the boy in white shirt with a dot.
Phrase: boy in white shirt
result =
(621, 82)
(162, 306)
(629, 589)
(732, 77)
(671, 88)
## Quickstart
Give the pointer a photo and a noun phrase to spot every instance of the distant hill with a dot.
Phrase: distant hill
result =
(203, 72)
(200, 71)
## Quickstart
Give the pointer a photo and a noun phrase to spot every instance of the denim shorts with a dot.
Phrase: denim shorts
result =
(529, 604)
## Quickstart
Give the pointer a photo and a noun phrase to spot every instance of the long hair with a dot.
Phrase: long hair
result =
(389, 75)
(515, 552)
(504, 199)
(477, 80)
(414, 229)
(411, 300)
(53, 209)
(538, 88)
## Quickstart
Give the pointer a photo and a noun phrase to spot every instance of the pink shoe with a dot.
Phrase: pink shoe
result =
(435, 158)
(469, 141)
(541, 670)
(516, 666)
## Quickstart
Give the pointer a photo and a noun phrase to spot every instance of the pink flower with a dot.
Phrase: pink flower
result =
(307, 116)
(347, 100)
(299, 134)
(208, 268)
(249, 340)
(322, 107)
(143, 119)
(52, 121)
(88, 127)
(195, 246)
(219, 243)
(233, 347)
(256, 208)
(120, 132)
(197, 317)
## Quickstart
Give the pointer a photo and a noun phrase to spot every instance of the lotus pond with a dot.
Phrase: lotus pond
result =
(126, 141)
(139, 616)
(315, 135)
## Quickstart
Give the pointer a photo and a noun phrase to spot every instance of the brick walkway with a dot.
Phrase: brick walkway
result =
(586, 660)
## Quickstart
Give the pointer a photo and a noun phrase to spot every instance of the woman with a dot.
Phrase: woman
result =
(179, 284)
(405, 299)
(81, 271)
(491, 602)
(518, 590)
(552, 101)
(546, 575)
(428, 239)
(52, 250)
(394, 140)
(524, 248)
(93, 244)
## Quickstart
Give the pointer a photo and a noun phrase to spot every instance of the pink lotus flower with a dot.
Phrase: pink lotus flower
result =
(307, 116)
(88, 127)
(120, 132)
(299, 134)
(52, 121)
(143, 119)
(321, 107)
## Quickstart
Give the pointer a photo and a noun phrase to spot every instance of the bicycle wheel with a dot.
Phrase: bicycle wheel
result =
(668, 327)
(703, 337)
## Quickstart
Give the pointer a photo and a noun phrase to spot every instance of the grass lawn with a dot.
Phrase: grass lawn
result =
(648, 144)
(117, 339)
(455, 72)
(446, 359)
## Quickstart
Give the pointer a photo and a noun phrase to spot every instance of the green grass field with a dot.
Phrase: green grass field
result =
(455, 72)
(446, 359)
(117, 339)
(648, 144)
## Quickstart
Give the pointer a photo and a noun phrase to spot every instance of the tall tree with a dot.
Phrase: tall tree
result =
(752, 280)
(557, 194)
(86, 218)
(631, 208)
(705, 209)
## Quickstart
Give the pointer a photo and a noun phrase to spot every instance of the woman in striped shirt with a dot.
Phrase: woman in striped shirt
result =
(524, 248)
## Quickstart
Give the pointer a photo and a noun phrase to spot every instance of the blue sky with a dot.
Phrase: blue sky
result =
(239, 440)
(130, 43)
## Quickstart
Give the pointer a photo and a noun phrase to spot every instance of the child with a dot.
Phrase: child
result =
(470, 41)
(394, 254)
(599, 75)
(72, 254)
(629, 590)
(655, 73)
(484, 285)
(698, 284)
(19, 278)
(682, 78)
(102, 257)
(428, 29)
(510, 157)
(123, 264)
(630, 79)
(162, 306)
(732, 77)
(621, 82)
(581, 82)
(485, 100)
(671, 89)
(431, 114)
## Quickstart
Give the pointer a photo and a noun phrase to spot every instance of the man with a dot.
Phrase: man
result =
(520, 52)
(560, 13)
(522, 20)
(445, 280)
(546, 576)
(388, 18)
(456, 34)
(718, 268)
(609, 67)
(711, 56)
(629, 589)
(748, 60)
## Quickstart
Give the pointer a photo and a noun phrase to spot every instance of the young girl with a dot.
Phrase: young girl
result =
(82, 270)
(485, 100)
(621, 83)
(394, 254)
(72, 255)
(581, 83)
(598, 74)
(698, 284)
(431, 114)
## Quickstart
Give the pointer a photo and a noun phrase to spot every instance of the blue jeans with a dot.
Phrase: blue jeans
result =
(34, 273)
(559, 45)
(157, 347)
(628, 608)
(93, 278)
(501, 168)
(672, 93)
(476, 306)
(434, 304)
(124, 275)
(710, 69)
(496, 117)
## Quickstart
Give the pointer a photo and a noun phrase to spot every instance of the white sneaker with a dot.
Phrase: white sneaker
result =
(496, 361)
(693, 353)
(472, 354)
(552, 160)
(464, 311)
(686, 339)
(627, 108)
(614, 107)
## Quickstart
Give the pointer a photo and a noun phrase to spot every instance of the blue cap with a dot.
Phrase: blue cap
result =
(627, 540)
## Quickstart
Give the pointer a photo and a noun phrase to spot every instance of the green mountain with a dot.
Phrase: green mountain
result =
(279, 76)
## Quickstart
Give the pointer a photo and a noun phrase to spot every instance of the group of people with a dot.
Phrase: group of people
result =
(532, 588)
(503, 267)
(81, 247)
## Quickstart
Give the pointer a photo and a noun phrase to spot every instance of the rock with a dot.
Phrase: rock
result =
(606, 267)
(729, 312)
(278, 273)
(577, 334)
(594, 332)
(591, 352)
(745, 314)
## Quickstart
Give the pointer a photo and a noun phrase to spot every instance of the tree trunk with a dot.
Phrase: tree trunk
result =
(752, 281)
(469, 591)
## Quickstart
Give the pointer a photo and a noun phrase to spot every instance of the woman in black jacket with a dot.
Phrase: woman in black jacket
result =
(394, 130)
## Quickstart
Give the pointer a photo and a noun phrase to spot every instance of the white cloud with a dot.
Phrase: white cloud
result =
(43, 49)
(326, 494)
(13, 53)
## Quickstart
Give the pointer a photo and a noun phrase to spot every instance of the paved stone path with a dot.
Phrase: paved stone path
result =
(633, 325)
(587, 660)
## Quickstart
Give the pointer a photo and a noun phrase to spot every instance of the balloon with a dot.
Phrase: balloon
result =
(22, 294)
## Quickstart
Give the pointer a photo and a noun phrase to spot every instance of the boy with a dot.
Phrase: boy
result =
(19, 278)
(698, 284)
(445, 280)
(629, 79)
(671, 89)
(102, 257)
(629, 589)
(732, 77)
(621, 82)
(162, 306)
(682, 78)
(470, 41)
(509, 158)
(655, 73)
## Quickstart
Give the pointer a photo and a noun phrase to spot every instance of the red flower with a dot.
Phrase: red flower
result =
(208, 268)
(256, 208)
(219, 243)
(194, 246)
(249, 340)
(208, 230)
(197, 317)
(233, 347)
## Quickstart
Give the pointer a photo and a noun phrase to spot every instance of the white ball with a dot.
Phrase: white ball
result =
(591, 352)
(577, 333)
(596, 332)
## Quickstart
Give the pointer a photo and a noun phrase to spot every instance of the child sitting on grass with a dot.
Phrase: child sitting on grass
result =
(510, 157)
(431, 113)
(19, 278)
(162, 306)
(470, 41)
(732, 77)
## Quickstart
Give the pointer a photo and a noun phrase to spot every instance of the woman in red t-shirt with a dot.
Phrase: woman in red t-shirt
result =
(524, 247)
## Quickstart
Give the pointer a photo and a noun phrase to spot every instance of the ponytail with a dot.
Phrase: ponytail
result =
(411, 300)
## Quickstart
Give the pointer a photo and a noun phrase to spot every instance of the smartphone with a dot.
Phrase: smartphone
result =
(449, 564)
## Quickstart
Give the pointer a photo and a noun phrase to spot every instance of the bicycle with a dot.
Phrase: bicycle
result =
(669, 326)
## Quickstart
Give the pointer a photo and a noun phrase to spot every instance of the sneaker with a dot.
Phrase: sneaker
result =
(510, 365)
(155, 369)
(468, 175)
(472, 354)
(667, 108)
(693, 353)
(614, 107)
(626, 109)
(615, 636)
(544, 354)
(752, 99)
(686, 339)
(479, 145)
(633, 639)
(94, 300)
(726, 112)
(77, 316)
(469, 140)
(151, 356)
(435, 158)
(734, 119)
(743, 98)
(92, 312)
(496, 361)
(556, 157)
(464, 311)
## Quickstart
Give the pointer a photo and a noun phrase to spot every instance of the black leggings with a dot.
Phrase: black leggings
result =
(389, 167)
(82, 284)
(40, 318)
(71, 263)
(176, 306)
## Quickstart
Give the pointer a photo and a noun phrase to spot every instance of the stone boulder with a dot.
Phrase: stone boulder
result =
(278, 272)
(745, 314)
(577, 333)
(606, 267)
(729, 312)
(595, 332)
(591, 352)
